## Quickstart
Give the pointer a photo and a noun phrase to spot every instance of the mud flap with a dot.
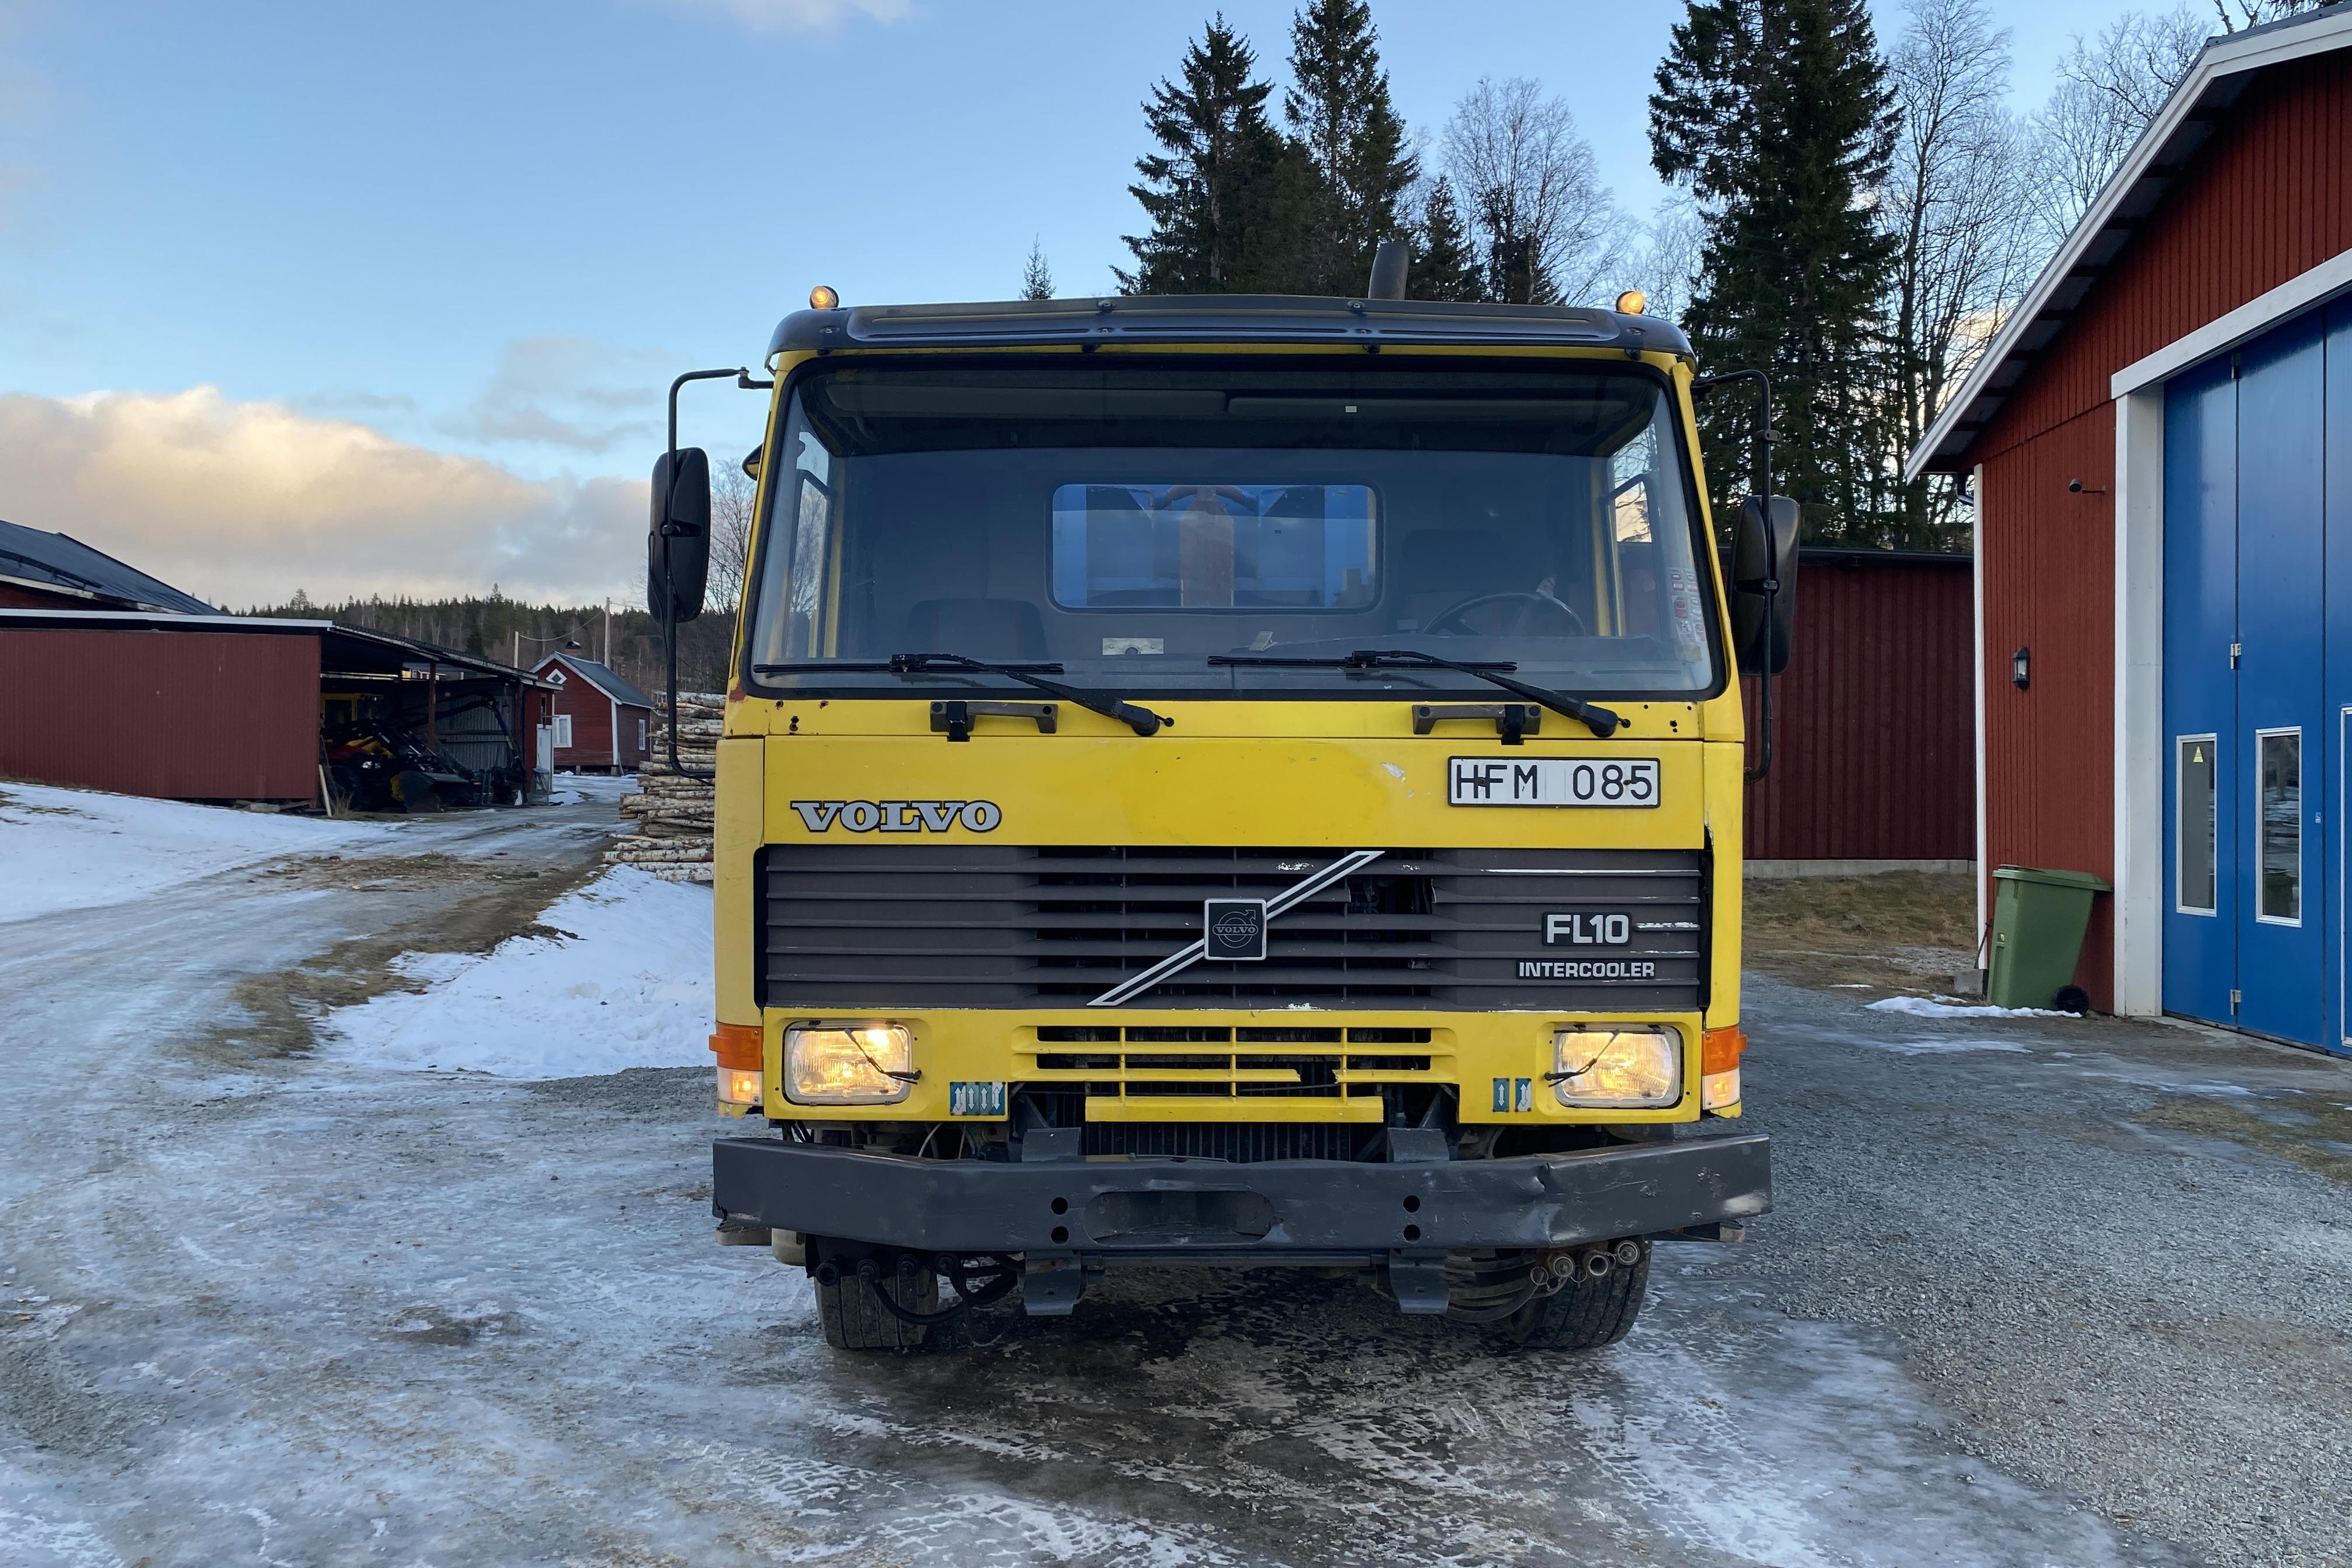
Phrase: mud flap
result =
(1050, 1284)
(1417, 1280)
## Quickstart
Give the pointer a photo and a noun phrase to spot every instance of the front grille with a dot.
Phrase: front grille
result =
(854, 927)
(1236, 1064)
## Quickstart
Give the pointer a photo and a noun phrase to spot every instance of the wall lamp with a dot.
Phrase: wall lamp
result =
(2077, 486)
(2021, 668)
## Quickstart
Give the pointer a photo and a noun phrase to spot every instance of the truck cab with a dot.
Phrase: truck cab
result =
(1246, 781)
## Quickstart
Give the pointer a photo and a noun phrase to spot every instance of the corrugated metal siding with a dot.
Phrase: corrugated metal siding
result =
(1875, 756)
(190, 715)
(2270, 197)
(2049, 565)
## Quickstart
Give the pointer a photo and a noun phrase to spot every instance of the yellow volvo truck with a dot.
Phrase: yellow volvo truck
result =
(1234, 781)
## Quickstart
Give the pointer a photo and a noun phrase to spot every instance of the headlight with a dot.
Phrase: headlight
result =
(1617, 1068)
(870, 1064)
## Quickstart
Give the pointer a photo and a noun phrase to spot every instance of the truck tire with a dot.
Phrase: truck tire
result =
(1585, 1313)
(854, 1320)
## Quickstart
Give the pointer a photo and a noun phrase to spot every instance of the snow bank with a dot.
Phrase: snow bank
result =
(627, 984)
(1931, 1007)
(571, 789)
(77, 849)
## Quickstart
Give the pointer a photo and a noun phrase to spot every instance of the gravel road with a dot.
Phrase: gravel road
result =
(2038, 1293)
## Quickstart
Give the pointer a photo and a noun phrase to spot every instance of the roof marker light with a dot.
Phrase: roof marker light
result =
(1631, 301)
(823, 298)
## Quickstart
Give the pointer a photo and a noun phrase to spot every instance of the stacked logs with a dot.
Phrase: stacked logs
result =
(673, 809)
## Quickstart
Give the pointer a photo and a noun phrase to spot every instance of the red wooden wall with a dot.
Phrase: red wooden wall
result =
(179, 715)
(1876, 750)
(2268, 198)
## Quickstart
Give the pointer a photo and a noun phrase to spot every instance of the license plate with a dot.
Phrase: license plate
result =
(1552, 781)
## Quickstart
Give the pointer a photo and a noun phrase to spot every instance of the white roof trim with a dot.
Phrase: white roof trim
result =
(2251, 320)
(2229, 55)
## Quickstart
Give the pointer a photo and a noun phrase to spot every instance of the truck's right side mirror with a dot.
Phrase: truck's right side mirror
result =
(1764, 550)
(678, 543)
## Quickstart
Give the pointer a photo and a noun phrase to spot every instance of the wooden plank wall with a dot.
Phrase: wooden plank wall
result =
(1875, 754)
(177, 715)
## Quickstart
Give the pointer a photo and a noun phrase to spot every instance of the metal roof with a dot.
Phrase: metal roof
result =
(60, 565)
(1145, 319)
(2213, 85)
(601, 676)
(343, 650)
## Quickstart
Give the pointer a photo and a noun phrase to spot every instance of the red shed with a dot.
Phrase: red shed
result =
(603, 724)
(2161, 440)
(1872, 761)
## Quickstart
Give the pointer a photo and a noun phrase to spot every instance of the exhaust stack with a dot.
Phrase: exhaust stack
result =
(1390, 263)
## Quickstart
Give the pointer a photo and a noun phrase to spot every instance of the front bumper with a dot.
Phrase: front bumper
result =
(1165, 1207)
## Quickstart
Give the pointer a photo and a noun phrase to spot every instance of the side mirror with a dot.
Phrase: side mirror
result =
(678, 545)
(1764, 550)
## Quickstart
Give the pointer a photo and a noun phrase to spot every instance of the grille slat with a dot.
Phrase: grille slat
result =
(862, 926)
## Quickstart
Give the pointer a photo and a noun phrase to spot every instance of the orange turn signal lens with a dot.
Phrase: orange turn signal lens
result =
(1719, 1051)
(737, 1046)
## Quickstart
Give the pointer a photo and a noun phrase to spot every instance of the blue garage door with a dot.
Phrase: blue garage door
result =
(2257, 522)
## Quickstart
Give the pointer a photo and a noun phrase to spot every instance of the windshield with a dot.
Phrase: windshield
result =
(1133, 523)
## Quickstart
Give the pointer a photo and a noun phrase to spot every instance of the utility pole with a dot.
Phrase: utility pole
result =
(608, 634)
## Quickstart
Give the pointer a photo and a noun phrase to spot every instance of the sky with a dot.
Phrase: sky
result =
(386, 299)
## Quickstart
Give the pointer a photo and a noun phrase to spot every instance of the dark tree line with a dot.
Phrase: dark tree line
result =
(1242, 201)
(496, 626)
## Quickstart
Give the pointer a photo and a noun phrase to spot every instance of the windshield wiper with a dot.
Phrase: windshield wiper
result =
(1599, 720)
(1142, 720)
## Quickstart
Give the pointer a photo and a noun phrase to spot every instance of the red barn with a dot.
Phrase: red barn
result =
(603, 724)
(2160, 442)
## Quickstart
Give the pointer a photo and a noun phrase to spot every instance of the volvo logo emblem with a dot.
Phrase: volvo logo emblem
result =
(898, 815)
(1236, 930)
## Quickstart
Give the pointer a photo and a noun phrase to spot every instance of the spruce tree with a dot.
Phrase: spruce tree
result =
(1442, 265)
(1212, 192)
(1037, 277)
(1343, 120)
(1777, 116)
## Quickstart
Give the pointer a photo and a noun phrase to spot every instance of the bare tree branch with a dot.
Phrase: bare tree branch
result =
(1531, 184)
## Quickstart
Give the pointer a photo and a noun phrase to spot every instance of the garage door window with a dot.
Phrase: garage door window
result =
(2197, 824)
(2279, 770)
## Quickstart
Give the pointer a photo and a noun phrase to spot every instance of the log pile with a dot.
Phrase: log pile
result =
(674, 810)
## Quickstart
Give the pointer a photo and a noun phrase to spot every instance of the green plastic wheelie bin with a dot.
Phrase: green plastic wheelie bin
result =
(2038, 920)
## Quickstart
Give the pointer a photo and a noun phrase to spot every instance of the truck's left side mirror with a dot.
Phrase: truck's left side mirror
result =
(678, 545)
(1764, 566)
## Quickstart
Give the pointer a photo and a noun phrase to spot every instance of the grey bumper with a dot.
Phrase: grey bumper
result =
(1162, 1205)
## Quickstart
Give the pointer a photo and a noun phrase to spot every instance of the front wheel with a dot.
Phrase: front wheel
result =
(854, 1320)
(1590, 1309)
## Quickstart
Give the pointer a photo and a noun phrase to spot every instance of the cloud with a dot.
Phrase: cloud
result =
(241, 503)
(573, 393)
(776, 15)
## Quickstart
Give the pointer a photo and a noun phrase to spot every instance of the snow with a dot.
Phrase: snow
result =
(1935, 1007)
(77, 849)
(571, 789)
(625, 983)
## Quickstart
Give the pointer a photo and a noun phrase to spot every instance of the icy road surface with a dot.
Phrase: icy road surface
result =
(314, 1309)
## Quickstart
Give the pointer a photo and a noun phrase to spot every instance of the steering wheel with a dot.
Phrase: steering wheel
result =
(1447, 621)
